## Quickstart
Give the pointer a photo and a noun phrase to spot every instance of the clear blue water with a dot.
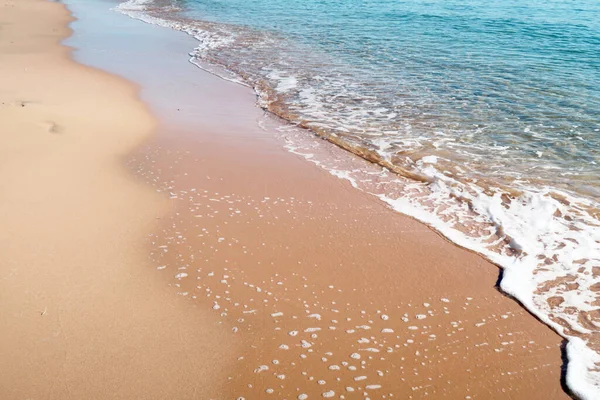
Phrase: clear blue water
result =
(502, 81)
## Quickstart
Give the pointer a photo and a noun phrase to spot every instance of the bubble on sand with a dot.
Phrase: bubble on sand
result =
(302, 396)
(384, 317)
(292, 333)
(308, 330)
(261, 368)
(355, 356)
(328, 394)
(372, 350)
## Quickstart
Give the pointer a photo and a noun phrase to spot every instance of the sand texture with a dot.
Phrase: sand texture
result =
(80, 315)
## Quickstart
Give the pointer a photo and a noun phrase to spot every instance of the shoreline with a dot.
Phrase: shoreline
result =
(220, 143)
(255, 253)
(545, 238)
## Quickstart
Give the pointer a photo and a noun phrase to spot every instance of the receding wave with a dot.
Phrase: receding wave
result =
(526, 201)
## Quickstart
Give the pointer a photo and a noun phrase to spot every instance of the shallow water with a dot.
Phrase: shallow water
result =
(507, 91)
(487, 114)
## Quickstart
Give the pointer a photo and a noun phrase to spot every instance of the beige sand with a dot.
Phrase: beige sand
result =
(81, 316)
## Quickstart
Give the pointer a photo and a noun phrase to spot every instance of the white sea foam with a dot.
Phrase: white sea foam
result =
(208, 39)
(285, 82)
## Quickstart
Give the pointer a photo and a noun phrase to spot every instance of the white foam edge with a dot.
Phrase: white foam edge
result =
(581, 359)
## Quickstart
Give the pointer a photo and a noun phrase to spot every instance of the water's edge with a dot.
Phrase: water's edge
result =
(482, 222)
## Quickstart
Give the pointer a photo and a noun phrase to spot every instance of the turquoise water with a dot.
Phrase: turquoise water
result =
(515, 83)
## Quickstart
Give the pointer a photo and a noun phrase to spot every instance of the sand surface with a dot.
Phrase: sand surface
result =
(218, 265)
(332, 292)
(81, 315)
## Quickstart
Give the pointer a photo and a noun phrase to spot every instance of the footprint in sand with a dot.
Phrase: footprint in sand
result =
(52, 127)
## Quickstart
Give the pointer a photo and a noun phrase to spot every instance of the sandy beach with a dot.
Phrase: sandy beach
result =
(173, 249)
(81, 315)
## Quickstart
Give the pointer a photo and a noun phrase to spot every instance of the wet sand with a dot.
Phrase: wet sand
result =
(330, 290)
(238, 270)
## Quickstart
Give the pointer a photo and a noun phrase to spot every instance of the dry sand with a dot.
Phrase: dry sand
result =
(81, 315)
(290, 282)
